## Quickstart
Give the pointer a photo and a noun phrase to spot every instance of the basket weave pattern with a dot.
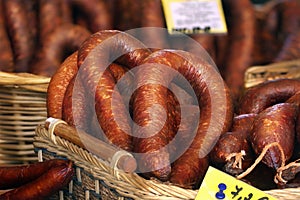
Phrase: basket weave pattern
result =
(22, 108)
(95, 179)
(258, 74)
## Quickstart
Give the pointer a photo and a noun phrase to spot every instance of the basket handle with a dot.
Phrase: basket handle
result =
(123, 161)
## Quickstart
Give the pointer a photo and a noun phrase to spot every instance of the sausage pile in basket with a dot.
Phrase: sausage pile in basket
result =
(133, 97)
(170, 108)
(38, 35)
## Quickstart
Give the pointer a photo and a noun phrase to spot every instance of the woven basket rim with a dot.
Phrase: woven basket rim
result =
(259, 73)
(127, 184)
(25, 80)
(22, 78)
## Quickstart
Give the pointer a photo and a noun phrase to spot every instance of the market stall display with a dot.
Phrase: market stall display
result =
(96, 69)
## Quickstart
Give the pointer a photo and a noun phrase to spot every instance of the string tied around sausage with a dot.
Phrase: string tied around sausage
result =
(237, 159)
(260, 157)
(287, 172)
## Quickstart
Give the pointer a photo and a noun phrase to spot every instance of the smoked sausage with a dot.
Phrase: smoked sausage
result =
(190, 167)
(95, 55)
(241, 25)
(234, 145)
(15, 176)
(268, 93)
(22, 38)
(276, 124)
(6, 56)
(49, 182)
(58, 86)
(58, 45)
(96, 12)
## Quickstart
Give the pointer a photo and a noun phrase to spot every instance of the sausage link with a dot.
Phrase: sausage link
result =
(75, 108)
(124, 81)
(241, 25)
(221, 43)
(235, 141)
(48, 183)
(62, 42)
(16, 176)
(49, 18)
(243, 122)
(190, 167)
(207, 42)
(152, 17)
(291, 47)
(124, 19)
(96, 12)
(6, 56)
(22, 39)
(295, 99)
(268, 93)
(275, 124)
(155, 125)
(290, 18)
(229, 147)
(95, 55)
(58, 85)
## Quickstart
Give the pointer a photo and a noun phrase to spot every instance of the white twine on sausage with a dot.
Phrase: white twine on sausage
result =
(53, 122)
(278, 177)
(260, 157)
(238, 159)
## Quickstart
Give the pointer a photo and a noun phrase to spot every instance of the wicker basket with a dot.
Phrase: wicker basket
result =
(22, 108)
(258, 74)
(96, 179)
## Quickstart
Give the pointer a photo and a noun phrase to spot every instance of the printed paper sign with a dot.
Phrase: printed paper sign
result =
(194, 16)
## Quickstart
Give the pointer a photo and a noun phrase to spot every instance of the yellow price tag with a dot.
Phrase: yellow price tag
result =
(219, 185)
(194, 16)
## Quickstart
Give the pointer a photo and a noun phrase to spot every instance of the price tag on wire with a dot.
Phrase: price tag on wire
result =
(194, 16)
(228, 188)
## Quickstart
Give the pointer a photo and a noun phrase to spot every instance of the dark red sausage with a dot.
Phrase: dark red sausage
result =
(124, 80)
(57, 46)
(289, 12)
(66, 12)
(221, 43)
(45, 185)
(96, 12)
(207, 42)
(123, 18)
(58, 85)
(16, 176)
(49, 18)
(155, 125)
(188, 169)
(76, 108)
(231, 149)
(152, 19)
(22, 37)
(276, 124)
(268, 93)
(241, 25)
(108, 106)
(235, 142)
(95, 55)
(6, 56)
(187, 128)
(291, 47)
(243, 122)
(295, 99)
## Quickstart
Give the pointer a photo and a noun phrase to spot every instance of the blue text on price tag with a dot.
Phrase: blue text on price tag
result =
(219, 185)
